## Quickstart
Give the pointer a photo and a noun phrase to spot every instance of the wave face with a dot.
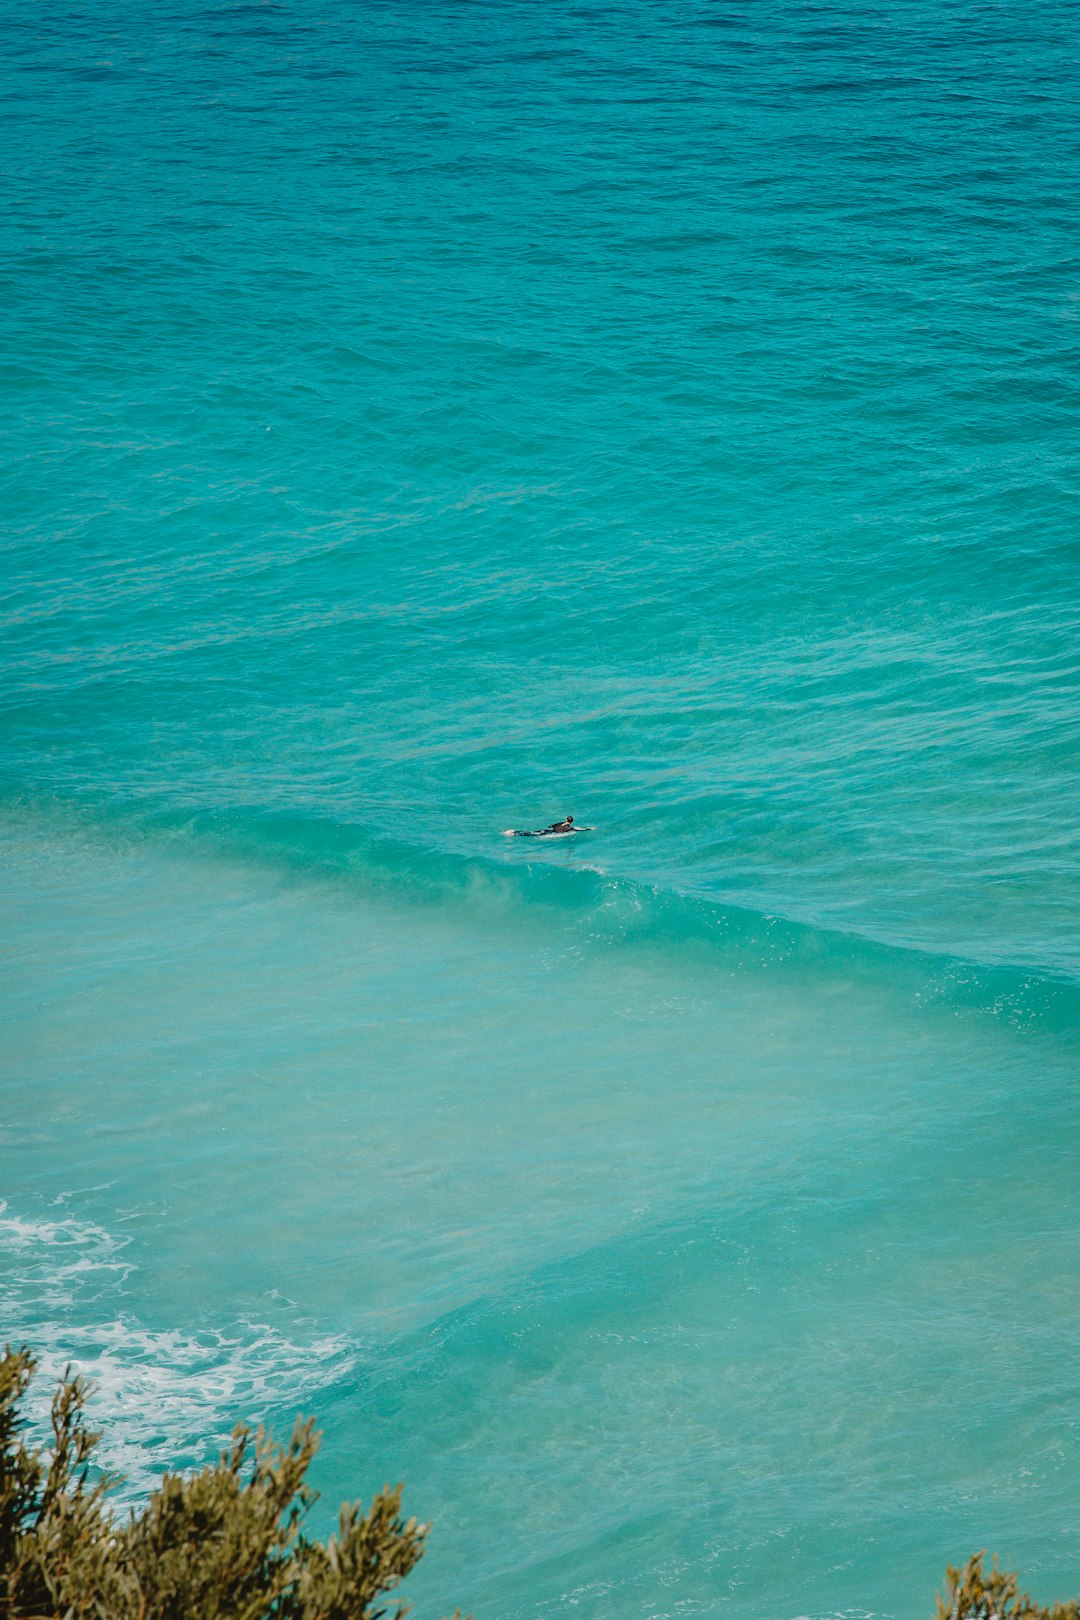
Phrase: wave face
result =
(421, 421)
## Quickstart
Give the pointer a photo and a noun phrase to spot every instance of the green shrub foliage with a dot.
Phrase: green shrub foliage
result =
(975, 1593)
(226, 1543)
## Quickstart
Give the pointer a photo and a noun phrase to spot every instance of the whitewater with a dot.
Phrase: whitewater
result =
(420, 420)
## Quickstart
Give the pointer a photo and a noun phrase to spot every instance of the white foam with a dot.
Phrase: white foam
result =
(163, 1398)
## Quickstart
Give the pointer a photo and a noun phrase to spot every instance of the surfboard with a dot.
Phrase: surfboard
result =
(544, 832)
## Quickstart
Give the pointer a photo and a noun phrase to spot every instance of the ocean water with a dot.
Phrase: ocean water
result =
(424, 419)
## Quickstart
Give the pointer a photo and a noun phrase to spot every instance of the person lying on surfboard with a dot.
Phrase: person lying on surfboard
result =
(556, 829)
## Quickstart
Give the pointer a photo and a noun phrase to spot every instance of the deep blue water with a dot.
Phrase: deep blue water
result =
(420, 420)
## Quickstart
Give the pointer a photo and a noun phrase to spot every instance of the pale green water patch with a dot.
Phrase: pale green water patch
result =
(538, 1223)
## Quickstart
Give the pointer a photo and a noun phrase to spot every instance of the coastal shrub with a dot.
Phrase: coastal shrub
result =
(226, 1543)
(975, 1593)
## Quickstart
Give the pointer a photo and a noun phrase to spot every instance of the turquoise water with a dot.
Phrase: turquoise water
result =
(420, 420)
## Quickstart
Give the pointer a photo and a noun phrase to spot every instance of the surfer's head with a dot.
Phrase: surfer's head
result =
(569, 819)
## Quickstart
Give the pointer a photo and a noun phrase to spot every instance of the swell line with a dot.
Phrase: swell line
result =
(580, 905)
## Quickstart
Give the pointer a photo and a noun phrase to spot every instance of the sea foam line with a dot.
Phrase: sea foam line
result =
(163, 1398)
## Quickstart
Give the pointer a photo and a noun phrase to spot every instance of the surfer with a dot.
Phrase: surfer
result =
(557, 829)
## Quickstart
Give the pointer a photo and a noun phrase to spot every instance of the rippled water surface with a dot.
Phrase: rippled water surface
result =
(420, 420)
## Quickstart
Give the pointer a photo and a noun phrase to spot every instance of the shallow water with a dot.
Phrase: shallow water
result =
(420, 421)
